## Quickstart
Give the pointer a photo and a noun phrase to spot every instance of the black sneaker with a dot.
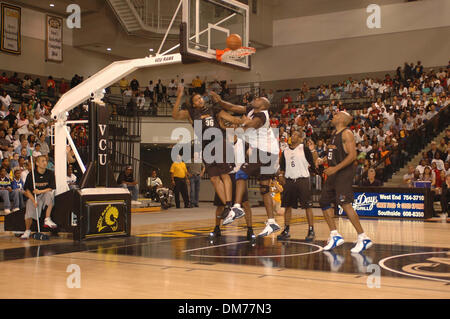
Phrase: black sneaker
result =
(311, 235)
(284, 235)
(216, 233)
(250, 234)
(225, 212)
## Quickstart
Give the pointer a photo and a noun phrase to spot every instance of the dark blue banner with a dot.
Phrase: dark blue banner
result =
(387, 204)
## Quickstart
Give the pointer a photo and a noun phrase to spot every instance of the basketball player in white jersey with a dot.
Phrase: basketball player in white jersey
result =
(262, 160)
(338, 189)
(295, 164)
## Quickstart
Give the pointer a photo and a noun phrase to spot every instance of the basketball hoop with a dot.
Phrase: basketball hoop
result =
(230, 55)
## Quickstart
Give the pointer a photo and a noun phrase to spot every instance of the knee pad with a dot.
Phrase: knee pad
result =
(264, 189)
(240, 174)
(310, 204)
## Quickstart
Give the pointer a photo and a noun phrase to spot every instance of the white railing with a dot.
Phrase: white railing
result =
(155, 13)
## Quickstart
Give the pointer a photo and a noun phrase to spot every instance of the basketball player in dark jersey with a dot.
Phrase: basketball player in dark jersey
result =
(338, 189)
(263, 145)
(245, 202)
(217, 171)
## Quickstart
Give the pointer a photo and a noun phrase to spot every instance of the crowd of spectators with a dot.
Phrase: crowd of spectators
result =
(401, 106)
(145, 100)
(27, 88)
(26, 129)
(395, 108)
(433, 166)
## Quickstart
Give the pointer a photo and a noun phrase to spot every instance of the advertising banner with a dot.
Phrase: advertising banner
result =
(383, 202)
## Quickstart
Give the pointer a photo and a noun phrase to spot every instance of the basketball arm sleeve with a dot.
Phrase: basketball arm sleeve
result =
(282, 163)
(310, 158)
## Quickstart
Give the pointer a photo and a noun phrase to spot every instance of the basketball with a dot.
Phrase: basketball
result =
(234, 41)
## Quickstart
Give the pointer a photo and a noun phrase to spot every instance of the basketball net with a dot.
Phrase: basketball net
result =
(231, 55)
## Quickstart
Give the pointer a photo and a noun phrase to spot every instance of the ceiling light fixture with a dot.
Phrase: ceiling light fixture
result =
(108, 49)
(52, 5)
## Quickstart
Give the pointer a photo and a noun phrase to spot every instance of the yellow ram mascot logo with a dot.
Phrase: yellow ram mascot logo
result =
(108, 219)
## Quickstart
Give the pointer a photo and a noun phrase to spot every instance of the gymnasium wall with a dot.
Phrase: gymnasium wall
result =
(32, 58)
(284, 9)
(346, 45)
(354, 55)
(327, 59)
(159, 130)
(394, 18)
(261, 29)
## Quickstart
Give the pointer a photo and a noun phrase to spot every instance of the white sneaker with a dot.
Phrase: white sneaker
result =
(333, 242)
(7, 211)
(26, 234)
(229, 219)
(135, 202)
(15, 210)
(49, 223)
(269, 229)
(235, 213)
(361, 245)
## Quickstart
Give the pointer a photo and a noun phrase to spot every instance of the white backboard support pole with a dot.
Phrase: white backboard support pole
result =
(93, 86)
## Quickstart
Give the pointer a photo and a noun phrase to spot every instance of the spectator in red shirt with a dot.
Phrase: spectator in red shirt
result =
(274, 122)
(388, 80)
(14, 79)
(293, 111)
(439, 180)
(64, 87)
(286, 99)
(285, 110)
(435, 170)
(51, 85)
(4, 79)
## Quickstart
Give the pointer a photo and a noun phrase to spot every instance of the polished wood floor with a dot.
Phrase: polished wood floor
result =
(177, 260)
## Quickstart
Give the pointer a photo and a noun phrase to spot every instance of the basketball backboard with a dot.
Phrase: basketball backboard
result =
(206, 24)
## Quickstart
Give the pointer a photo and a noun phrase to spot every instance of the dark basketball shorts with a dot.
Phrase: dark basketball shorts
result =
(218, 165)
(218, 202)
(295, 191)
(217, 169)
(264, 166)
(338, 190)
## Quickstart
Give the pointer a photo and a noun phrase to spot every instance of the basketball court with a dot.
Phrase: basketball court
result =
(168, 254)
